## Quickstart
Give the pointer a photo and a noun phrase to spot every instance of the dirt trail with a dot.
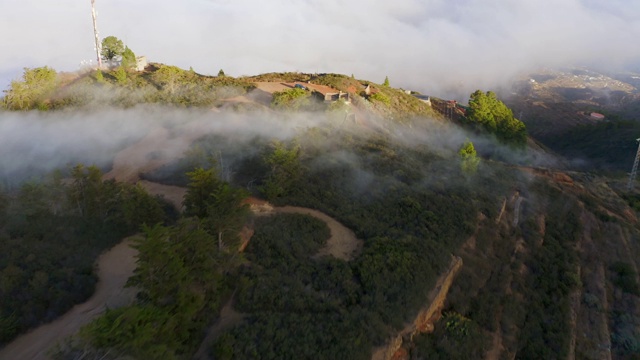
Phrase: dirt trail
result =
(343, 243)
(159, 147)
(114, 268)
(174, 194)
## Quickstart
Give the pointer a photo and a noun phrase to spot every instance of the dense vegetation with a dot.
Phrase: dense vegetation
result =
(409, 231)
(32, 91)
(410, 204)
(51, 233)
(180, 277)
(44, 89)
(183, 272)
(489, 113)
(298, 305)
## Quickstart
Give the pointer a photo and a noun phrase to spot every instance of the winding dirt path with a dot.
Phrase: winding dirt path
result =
(114, 268)
(174, 194)
(117, 265)
(343, 243)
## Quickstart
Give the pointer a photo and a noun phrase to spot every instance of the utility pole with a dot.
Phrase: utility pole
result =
(95, 32)
(634, 170)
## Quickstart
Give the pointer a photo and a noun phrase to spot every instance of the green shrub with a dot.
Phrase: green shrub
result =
(381, 98)
(625, 277)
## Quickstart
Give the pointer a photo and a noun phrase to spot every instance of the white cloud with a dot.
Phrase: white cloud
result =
(427, 45)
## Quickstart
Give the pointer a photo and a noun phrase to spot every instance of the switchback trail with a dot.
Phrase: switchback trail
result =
(117, 265)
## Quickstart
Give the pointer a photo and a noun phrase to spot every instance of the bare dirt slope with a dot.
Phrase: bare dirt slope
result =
(159, 147)
(271, 86)
(114, 268)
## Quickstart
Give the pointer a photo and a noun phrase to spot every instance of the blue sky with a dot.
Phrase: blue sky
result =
(428, 45)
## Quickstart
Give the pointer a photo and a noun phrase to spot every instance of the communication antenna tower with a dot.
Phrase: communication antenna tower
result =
(95, 32)
(634, 170)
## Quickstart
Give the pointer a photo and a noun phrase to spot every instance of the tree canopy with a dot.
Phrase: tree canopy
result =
(179, 275)
(128, 58)
(217, 203)
(112, 48)
(32, 90)
(285, 170)
(469, 158)
(488, 112)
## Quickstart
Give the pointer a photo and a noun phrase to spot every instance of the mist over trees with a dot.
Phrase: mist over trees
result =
(469, 158)
(218, 204)
(394, 182)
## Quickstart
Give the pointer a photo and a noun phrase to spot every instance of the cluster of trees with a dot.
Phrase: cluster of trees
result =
(52, 232)
(32, 91)
(285, 170)
(39, 88)
(183, 272)
(324, 307)
(180, 276)
(296, 305)
(114, 49)
(218, 204)
(328, 308)
(486, 111)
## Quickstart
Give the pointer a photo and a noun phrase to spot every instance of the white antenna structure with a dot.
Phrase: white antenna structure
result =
(634, 170)
(95, 32)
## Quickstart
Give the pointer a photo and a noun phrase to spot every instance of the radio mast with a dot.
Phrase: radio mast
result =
(634, 170)
(95, 32)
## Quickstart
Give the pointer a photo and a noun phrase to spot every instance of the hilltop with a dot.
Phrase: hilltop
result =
(169, 85)
(416, 231)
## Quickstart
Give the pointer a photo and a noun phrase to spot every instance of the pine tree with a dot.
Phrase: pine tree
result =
(469, 158)
(217, 203)
(128, 59)
(112, 48)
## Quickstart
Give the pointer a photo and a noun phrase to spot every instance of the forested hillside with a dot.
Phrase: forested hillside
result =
(548, 257)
